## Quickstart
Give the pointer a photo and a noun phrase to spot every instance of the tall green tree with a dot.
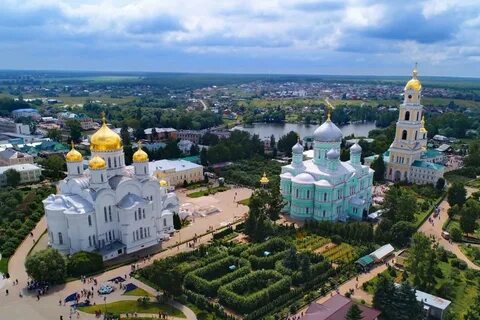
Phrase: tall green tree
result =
(383, 297)
(468, 217)
(13, 177)
(125, 135)
(379, 166)
(203, 157)
(456, 194)
(46, 265)
(401, 204)
(354, 313)
(177, 223)
(75, 130)
(54, 134)
(418, 261)
(286, 142)
(405, 304)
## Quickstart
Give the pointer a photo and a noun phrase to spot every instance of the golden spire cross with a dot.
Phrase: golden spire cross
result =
(73, 145)
(415, 72)
(139, 144)
(329, 109)
(104, 120)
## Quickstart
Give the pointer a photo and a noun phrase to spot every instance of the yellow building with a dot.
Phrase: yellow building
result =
(175, 172)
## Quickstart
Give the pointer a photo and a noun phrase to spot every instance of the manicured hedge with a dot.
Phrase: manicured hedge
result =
(222, 233)
(276, 246)
(84, 263)
(209, 278)
(254, 290)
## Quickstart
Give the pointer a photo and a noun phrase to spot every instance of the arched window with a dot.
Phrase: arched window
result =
(416, 132)
(325, 196)
(60, 238)
(109, 163)
(418, 115)
(145, 170)
(407, 115)
(78, 170)
(404, 135)
(296, 193)
(115, 162)
(89, 220)
(308, 194)
(101, 177)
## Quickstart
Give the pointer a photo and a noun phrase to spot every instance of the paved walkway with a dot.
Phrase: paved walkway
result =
(47, 308)
(435, 230)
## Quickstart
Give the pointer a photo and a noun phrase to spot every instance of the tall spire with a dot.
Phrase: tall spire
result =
(104, 120)
(415, 71)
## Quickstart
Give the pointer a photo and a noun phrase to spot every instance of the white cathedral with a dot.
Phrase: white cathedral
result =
(109, 208)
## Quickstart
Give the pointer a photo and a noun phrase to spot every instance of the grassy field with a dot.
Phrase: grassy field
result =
(66, 99)
(473, 253)
(138, 292)
(206, 192)
(3, 265)
(132, 306)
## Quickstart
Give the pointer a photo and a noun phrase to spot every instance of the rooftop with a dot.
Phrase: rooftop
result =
(20, 167)
(177, 165)
(427, 165)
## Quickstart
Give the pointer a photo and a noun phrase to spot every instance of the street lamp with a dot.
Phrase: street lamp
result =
(105, 303)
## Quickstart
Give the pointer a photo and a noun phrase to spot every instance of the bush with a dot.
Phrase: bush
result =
(336, 239)
(459, 264)
(456, 234)
(222, 233)
(254, 290)
(209, 278)
(277, 248)
(84, 263)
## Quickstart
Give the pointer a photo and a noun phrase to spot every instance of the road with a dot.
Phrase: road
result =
(435, 230)
(204, 105)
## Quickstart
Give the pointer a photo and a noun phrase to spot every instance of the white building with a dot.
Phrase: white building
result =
(185, 146)
(175, 172)
(109, 208)
(29, 173)
(10, 157)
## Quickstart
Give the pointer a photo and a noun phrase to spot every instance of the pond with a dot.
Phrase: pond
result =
(265, 130)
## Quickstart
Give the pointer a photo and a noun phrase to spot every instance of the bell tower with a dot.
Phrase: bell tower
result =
(410, 138)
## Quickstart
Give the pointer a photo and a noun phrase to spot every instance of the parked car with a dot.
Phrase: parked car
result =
(105, 289)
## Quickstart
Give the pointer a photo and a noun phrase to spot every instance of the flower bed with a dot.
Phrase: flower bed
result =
(343, 252)
(209, 278)
(254, 290)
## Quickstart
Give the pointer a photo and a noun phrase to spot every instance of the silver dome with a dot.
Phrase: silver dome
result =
(303, 178)
(297, 148)
(356, 148)
(333, 154)
(328, 132)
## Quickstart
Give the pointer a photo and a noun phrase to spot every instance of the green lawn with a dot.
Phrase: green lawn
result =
(206, 192)
(131, 306)
(139, 292)
(245, 202)
(473, 253)
(4, 265)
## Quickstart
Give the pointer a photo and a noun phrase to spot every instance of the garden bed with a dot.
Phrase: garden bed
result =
(209, 278)
(264, 256)
(250, 292)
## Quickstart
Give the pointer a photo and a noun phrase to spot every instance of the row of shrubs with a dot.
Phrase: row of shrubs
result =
(198, 280)
(238, 294)
(277, 248)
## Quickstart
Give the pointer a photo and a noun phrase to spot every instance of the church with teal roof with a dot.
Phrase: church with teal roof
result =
(325, 188)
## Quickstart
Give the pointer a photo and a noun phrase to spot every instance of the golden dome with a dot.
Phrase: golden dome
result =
(140, 155)
(163, 183)
(73, 155)
(414, 83)
(105, 139)
(264, 179)
(97, 163)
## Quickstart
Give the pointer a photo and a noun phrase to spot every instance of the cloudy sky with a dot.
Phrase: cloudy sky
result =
(243, 36)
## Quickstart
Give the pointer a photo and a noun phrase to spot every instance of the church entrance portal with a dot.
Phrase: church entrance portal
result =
(397, 176)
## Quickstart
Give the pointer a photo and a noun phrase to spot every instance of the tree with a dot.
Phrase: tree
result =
(454, 211)
(291, 259)
(305, 267)
(401, 204)
(84, 263)
(473, 312)
(46, 265)
(125, 135)
(418, 259)
(273, 143)
(440, 184)
(139, 134)
(54, 166)
(456, 234)
(383, 297)
(286, 142)
(54, 134)
(13, 177)
(75, 130)
(457, 194)
(274, 203)
(405, 304)
(194, 150)
(354, 313)
(203, 157)
(177, 223)
(401, 233)
(468, 220)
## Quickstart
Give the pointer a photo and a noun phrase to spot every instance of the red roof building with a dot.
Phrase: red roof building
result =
(336, 308)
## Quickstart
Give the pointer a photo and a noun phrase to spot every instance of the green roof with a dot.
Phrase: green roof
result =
(427, 165)
(431, 153)
(365, 261)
